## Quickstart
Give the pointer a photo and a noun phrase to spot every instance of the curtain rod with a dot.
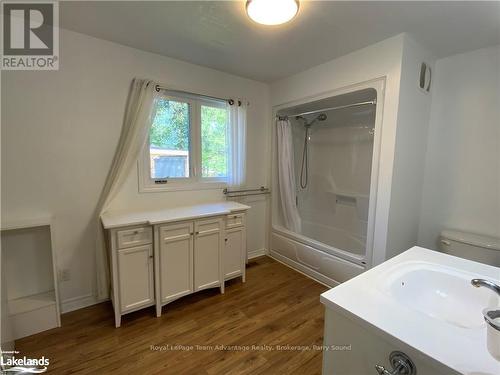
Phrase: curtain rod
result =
(158, 88)
(284, 117)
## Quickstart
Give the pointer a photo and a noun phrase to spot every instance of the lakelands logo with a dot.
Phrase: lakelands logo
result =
(9, 364)
(30, 35)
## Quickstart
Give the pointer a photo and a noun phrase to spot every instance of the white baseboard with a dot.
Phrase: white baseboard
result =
(75, 303)
(257, 253)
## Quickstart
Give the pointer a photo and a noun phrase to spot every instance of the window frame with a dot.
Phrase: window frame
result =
(195, 181)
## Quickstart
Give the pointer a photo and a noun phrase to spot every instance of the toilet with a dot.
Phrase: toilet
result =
(476, 247)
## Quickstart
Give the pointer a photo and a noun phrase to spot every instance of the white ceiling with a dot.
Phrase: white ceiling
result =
(218, 34)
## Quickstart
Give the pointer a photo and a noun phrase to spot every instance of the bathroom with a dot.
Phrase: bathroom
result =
(316, 168)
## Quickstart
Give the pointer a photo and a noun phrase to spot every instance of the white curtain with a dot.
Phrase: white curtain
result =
(237, 143)
(138, 117)
(286, 176)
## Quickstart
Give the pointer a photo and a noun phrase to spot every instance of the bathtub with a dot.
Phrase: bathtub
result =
(316, 259)
(334, 238)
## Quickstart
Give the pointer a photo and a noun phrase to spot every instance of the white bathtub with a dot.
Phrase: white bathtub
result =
(318, 260)
(334, 237)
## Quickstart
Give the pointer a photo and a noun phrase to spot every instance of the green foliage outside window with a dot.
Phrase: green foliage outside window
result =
(170, 131)
(170, 128)
(213, 141)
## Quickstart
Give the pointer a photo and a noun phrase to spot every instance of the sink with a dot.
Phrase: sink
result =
(440, 292)
(423, 300)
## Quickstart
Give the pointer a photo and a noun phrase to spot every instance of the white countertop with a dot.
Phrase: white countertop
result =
(462, 349)
(124, 218)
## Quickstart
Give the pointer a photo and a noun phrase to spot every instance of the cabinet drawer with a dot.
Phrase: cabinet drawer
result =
(207, 226)
(172, 232)
(235, 220)
(134, 237)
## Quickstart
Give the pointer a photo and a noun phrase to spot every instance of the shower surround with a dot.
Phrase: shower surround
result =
(321, 207)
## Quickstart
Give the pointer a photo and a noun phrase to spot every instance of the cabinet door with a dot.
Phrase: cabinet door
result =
(233, 259)
(207, 253)
(176, 261)
(135, 271)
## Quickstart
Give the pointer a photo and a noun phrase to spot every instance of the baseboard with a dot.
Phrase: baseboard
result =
(76, 303)
(257, 253)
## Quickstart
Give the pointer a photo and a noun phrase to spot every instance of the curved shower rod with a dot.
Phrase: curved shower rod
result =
(371, 102)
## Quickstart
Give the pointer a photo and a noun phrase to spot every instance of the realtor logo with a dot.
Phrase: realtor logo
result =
(30, 35)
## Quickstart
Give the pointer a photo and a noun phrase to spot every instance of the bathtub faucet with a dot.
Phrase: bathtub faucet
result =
(486, 283)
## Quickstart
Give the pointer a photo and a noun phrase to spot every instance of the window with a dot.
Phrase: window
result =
(188, 144)
(214, 141)
(169, 140)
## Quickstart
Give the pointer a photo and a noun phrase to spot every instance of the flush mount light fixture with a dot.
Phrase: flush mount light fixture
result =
(272, 12)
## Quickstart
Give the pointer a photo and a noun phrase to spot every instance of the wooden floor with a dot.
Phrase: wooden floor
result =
(276, 306)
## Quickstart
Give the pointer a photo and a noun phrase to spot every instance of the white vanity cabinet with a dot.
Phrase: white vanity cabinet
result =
(208, 242)
(235, 249)
(135, 274)
(189, 258)
(160, 256)
(175, 259)
(132, 269)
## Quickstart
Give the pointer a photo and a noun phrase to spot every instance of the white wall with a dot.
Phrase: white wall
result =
(409, 155)
(381, 60)
(60, 130)
(462, 175)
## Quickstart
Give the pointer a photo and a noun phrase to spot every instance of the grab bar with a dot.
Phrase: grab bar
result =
(245, 192)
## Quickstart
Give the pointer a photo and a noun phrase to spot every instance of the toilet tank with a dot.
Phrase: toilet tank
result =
(476, 247)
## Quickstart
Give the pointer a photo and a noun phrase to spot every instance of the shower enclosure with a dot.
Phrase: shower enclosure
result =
(323, 164)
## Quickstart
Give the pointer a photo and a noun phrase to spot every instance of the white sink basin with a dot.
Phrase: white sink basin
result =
(441, 293)
(425, 300)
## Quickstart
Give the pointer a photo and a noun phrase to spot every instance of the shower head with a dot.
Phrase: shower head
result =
(320, 117)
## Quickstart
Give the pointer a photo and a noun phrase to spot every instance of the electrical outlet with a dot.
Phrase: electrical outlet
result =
(64, 275)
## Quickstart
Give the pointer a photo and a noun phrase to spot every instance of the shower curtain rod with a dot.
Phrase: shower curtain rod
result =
(284, 117)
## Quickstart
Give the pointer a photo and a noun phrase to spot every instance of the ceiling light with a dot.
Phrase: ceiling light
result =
(272, 12)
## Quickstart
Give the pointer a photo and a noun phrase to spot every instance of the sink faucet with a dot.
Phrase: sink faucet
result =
(486, 283)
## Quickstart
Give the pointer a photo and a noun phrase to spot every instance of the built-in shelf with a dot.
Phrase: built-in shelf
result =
(31, 303)
(347, 198)
(347, 194)
(24, 223)
(31, 275)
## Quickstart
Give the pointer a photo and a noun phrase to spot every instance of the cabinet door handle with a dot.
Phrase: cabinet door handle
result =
(225, 239)
(150, 257)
